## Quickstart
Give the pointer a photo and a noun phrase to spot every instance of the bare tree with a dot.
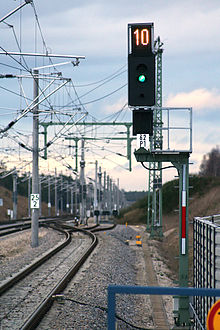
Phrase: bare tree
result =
(210, 165)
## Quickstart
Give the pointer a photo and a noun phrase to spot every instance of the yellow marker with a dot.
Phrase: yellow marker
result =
(138, 236)
(138, 243)
(126, 224)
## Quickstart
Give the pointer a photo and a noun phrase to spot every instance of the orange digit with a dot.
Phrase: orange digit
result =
(136, 32)
(144, 37)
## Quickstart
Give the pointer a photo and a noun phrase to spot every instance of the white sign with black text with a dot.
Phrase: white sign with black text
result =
(35, 201)
(142, 141)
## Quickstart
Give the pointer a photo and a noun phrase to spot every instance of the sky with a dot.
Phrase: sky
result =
(97, 29)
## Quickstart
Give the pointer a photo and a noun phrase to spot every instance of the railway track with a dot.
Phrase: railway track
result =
(16, 226)
(27, 296)
(83, 303)
(25, 299)
(7, 230)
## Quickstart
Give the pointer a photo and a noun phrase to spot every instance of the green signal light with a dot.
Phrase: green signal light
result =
(142, 78)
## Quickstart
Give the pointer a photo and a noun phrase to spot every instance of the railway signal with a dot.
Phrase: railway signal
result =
(142, 121)
(141, 65)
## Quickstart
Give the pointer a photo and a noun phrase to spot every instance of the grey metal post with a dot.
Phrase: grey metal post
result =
(108, 195)
(91, 194)
(104, 194)
(154, 210)
(71, 199)
(82, 184)
(67, 197)
(111, 196)
(29, 195)
(104, 191)
(100, 187)
(15, 195)
(56, 208)
(49, 202)
(117, 195)
(76, 204)
(35, 169)
(95, 192)
(61, 195)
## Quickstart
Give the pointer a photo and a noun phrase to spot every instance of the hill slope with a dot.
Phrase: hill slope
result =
(204, 200)
(22, 210)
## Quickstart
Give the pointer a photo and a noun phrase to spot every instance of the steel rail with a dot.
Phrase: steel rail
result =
(26, 219)
(33, 320)
(19, 276)
(103, 228)
(42, 309)
(38, 314)
(14, 229)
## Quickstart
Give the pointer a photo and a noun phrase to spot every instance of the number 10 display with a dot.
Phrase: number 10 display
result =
(141, 37)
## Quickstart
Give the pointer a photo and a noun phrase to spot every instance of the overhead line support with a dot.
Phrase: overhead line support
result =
(154, 215)
(16, 9)
(129, 139)
(35, 166)
(42, 55)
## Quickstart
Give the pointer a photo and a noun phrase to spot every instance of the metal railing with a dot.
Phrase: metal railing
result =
(206, 257)
(176, 137)
(123, 289)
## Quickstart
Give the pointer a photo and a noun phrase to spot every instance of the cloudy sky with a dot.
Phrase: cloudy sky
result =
(97, 29)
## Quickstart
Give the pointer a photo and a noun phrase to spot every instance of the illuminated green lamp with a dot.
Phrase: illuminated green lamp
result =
(141, 78)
